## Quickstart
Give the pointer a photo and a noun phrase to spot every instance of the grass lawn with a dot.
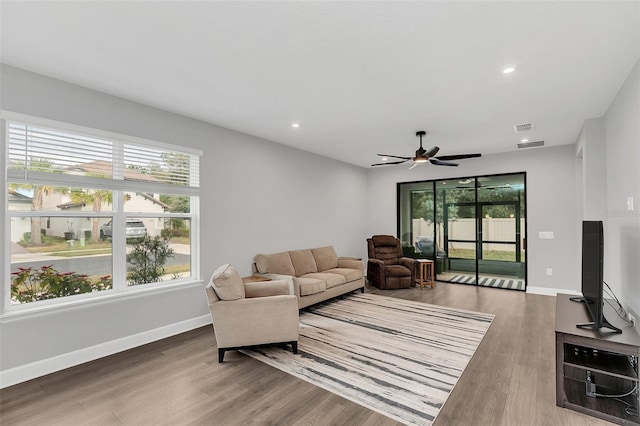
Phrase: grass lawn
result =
(60, 247)
(53, 245)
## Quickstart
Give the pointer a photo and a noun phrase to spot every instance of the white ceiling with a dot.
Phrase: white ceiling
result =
(360, 77)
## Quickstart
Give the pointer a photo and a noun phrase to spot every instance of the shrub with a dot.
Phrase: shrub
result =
(30, 284)
(169, 233)
(146, 260)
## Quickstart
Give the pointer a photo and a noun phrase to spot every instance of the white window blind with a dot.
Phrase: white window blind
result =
(41, 153)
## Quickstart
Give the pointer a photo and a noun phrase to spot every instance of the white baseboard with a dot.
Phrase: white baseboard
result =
(43, 367)
(545, 291)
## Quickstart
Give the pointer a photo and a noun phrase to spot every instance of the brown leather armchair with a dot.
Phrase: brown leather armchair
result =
(386, 268)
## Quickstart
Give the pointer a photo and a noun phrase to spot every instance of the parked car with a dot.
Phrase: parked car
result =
(135, 229)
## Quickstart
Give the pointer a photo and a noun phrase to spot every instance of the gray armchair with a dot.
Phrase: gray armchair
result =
(250, 314)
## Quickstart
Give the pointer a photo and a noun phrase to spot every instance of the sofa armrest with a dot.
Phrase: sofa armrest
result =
(351, 263)
(266, 288)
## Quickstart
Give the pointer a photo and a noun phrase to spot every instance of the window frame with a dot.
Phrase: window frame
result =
(118, 215)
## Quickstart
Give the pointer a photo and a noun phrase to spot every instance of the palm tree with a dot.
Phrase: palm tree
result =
(39, 191)
(96, 198)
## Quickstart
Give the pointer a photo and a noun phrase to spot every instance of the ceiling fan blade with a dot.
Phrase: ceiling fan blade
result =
(441, 163)
(394, 156)
(388, 163)
(433, 151)
(458, 157)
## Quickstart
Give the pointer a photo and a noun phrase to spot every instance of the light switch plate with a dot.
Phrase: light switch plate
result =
(546, 235)
(630, 204)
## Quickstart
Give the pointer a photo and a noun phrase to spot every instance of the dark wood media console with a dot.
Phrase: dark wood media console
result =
(607, 360)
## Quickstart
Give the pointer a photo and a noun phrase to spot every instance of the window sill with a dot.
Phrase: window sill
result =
(32, 312)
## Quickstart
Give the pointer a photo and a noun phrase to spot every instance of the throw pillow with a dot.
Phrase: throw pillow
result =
(276, 263)
(227, 283)
(303, 262)
(326, 258)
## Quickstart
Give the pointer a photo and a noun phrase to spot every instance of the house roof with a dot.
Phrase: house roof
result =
(105, 168)
(17, 197)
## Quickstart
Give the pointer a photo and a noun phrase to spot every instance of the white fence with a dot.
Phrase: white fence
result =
(493, 229)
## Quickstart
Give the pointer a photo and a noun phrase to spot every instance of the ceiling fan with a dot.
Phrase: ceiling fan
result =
(422, 156)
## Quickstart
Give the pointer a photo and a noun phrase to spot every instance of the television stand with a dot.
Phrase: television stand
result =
(596, 370)
(592, 325)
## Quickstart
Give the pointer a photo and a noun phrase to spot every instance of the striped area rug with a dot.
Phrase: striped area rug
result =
(397, 357)
(489, 281)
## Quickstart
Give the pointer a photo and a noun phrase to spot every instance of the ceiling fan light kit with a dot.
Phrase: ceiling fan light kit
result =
(423, 156)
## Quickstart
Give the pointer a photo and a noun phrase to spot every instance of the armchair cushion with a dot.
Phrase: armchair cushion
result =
(397, 271)
(326, 258)
(227, 283)
(277, 263)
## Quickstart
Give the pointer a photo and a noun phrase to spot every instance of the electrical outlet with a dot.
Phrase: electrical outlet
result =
(549, 271)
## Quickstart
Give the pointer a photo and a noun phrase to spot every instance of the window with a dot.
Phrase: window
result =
(91, 215)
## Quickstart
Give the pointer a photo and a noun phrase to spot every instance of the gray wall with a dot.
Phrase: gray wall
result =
(591, 149)
(260, 196)
(257, 196)
(622, 227)
(551, 202)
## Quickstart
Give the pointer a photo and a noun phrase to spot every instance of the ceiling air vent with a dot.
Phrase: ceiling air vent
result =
(530, 144)
(524, 127)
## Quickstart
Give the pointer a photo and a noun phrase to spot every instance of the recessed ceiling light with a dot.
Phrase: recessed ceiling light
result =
(524, 140)
(508, 70)
(296, 125)
(384, 158)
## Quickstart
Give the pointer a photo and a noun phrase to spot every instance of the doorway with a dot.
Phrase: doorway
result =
(473, 228)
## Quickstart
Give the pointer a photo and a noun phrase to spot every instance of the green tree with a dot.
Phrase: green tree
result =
(95, 198)
(39, 192)
(146, 260)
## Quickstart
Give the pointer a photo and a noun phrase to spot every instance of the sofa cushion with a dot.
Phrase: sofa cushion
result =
(348, 273)
(326, 258)
(303, 262)
(276, 263)
(332, 280)
(310, 286)
(227, 283)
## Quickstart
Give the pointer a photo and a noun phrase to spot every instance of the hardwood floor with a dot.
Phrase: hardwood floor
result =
(510, 380)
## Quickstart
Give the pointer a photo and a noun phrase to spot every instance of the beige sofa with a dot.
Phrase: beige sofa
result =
(314, 275)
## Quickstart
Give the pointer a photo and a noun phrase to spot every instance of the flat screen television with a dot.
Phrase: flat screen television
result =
(593, 275)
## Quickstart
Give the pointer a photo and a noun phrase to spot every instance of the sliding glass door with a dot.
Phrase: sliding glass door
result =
(456, 218)
(501, 242)
(473, 228)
